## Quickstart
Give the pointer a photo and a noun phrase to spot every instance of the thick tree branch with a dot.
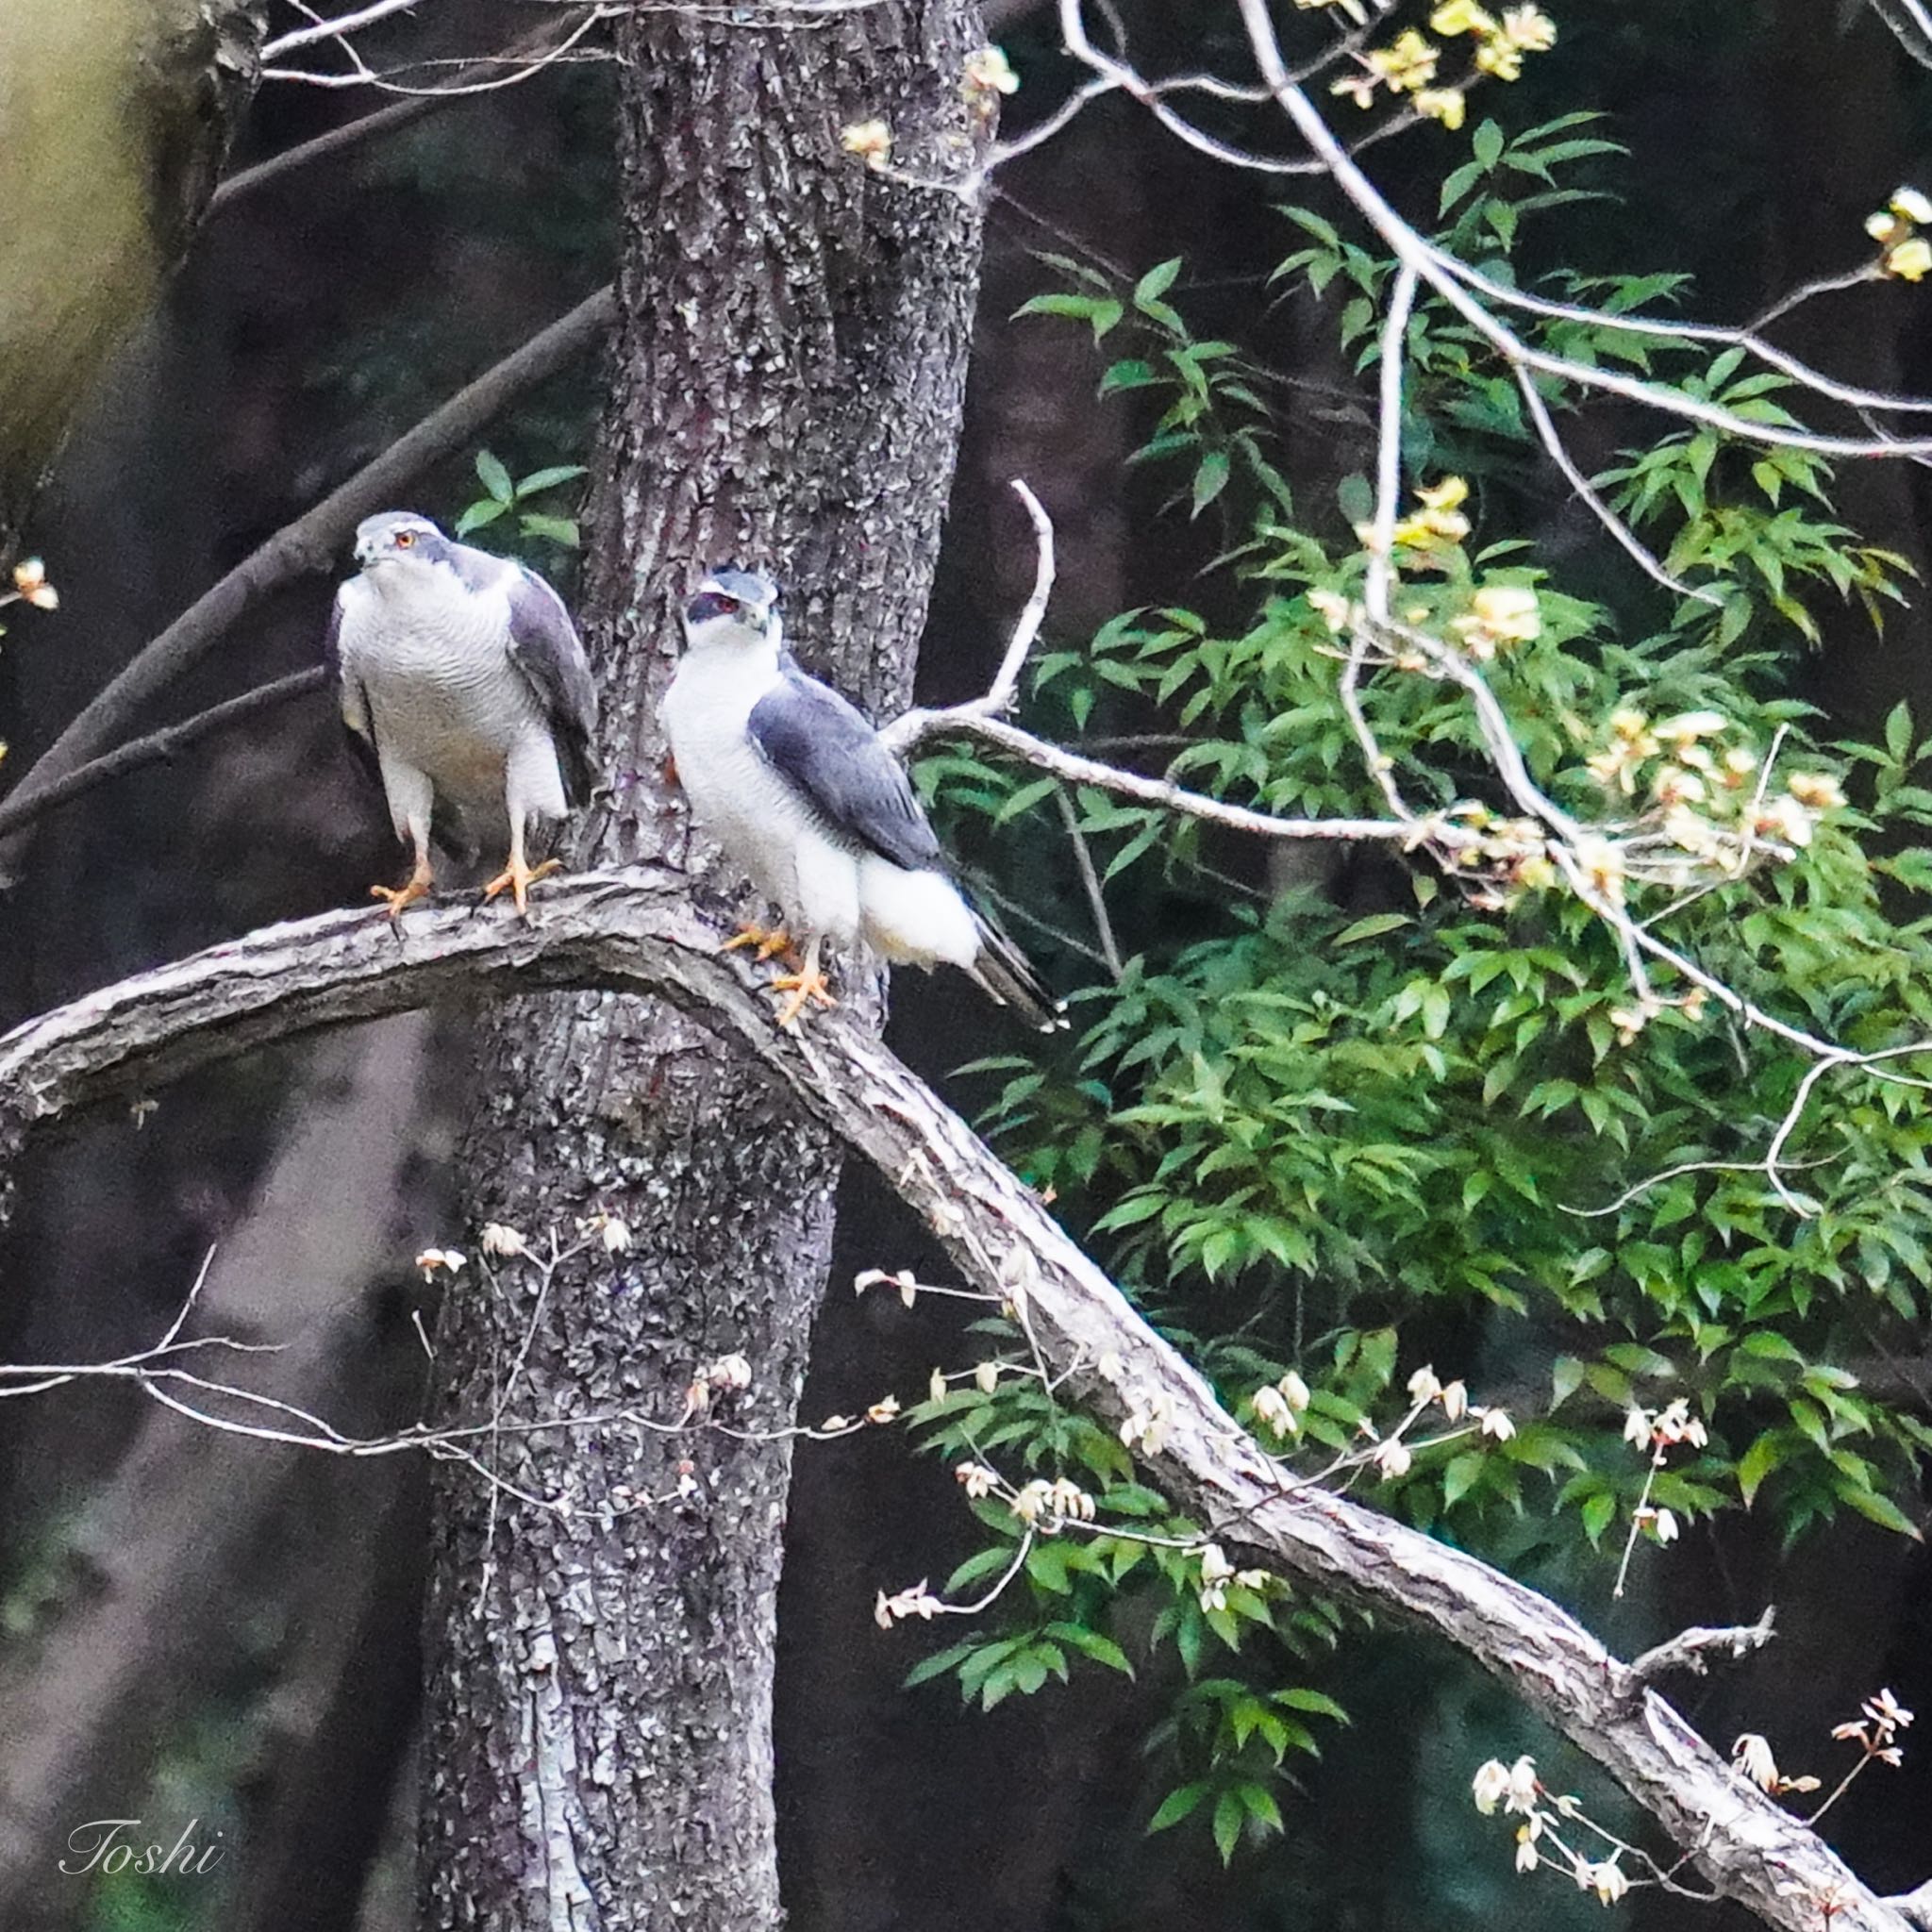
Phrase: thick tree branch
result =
(634, 931)
(310, 543)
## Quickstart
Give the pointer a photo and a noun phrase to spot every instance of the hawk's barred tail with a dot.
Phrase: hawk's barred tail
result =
(1009, 977)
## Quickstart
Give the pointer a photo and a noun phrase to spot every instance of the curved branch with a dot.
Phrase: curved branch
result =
(308, 544)
(634, 931)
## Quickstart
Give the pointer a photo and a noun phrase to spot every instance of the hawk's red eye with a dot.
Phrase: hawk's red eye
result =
(404, 539)
(723, 602)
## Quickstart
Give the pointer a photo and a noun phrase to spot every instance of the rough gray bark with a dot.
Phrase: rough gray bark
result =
(118, 115)
(633, 931)
(788, 364)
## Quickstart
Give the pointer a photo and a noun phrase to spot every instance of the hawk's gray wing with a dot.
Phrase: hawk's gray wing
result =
(357, 724)
(544, 646)
(855, 786)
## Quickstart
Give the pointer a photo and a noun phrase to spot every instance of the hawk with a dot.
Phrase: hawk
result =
(464, 684)
(795, 785)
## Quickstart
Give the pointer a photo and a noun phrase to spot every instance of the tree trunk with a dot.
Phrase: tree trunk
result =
(788, 376)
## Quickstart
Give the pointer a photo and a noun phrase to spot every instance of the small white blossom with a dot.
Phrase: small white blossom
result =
(1527, 1859)
(728, 1371)
(1497, 1426)
(988, 72)
(1523, 1787)
(987, 1378)
(1885, 1708)
(1455, 1401)
(976, 1479)
(916, 1602)
(872, 140)
(1490, 1786)
(1752, 1754)
(1150, 1413)
(448, 1261)
(1030, 1504)
(1393, 1459)
(1270, 1407)
(884, 1411)
(498, 1240)
(1217, 1572)
(1424, 1387)
(1295, 1392)
(1071, 1501)
(1608, 1880)
(615, 1234)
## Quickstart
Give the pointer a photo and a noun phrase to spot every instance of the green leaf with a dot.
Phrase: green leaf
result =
(1103, 1650)
(1178, 1804)
(1485, 143)
(1156, 282)
(1230, 1815)
(494, 477)
(1879, 1509)
(1313, 1702)
(1757, 1463)
(1461, 1476)
(1210, 479)
(477, 515)
(1373, 926)
(561, 530)
(939, 1663)
(548, 480)
(1128, 374)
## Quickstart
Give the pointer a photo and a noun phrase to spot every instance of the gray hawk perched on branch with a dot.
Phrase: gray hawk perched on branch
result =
(463, 682)
(793, 784)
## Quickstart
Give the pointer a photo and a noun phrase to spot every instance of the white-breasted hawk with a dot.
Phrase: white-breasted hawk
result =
(464, 683)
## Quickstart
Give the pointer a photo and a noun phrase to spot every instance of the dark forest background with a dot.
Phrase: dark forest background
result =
(198, 1628)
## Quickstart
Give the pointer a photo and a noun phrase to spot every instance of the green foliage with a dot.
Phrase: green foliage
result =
(506, 497)
(1401, 1099)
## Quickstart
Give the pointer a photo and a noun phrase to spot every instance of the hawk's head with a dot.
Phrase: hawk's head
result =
(400, 537)
(732, 607)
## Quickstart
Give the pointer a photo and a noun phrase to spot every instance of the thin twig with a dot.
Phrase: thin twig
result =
(1089, 880)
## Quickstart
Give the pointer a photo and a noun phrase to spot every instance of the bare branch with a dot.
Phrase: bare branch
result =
(634, 931)
(1692, 1650)
(335, 29)
(1587, 493)
(1468, 291)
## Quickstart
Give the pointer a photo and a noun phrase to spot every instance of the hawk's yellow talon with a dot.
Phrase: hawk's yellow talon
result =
(516, 878)
(808, 983)
(415, 887)
(770, 942)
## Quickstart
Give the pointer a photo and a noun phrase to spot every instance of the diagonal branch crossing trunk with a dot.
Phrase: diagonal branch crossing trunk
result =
(787, 371)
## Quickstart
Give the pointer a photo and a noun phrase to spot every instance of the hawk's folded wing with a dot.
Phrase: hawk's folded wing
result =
(854, 786)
